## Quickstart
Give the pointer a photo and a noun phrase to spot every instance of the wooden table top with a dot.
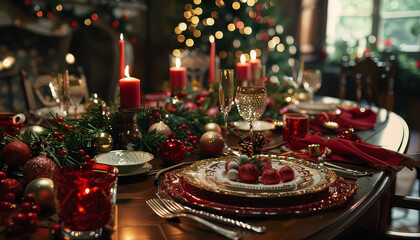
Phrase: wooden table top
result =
(135, 220)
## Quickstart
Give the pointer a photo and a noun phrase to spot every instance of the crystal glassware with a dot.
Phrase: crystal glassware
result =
(295, 125)
(226, 92)
(251, 103)
(86, 196)
(312, 81)
(63, 92)
(77, 89)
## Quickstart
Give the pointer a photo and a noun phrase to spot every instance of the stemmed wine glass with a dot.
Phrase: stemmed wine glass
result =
(226, 92)
(297, 72)
(251, 103)
(312, 81)
(77, 88)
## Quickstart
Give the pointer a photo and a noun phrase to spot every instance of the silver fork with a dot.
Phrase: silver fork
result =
(156, 205)
(178, 208)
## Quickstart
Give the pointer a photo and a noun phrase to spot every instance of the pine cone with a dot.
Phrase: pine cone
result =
(246, 147)
(259, 141)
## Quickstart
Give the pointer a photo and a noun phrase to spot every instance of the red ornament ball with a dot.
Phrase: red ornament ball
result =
(38, 167)
(15, 154)
(172, 151)
(212, 143)
(10, 197)
(10, 185)
(248, 173)
(287, 174)
(270, 176)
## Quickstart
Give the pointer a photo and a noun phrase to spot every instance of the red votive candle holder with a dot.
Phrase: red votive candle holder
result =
(86, 195)
(295, 125)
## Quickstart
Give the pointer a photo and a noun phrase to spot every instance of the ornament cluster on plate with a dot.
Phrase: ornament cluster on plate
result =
(258, 169)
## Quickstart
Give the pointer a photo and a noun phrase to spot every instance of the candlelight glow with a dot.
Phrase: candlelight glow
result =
(243, 58)
(121, 37)
(126, 71)
(177, 62)
(253, 54)
(211, 38)
(70, 58)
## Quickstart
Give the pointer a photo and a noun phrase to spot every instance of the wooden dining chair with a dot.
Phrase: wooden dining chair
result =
(371, 80)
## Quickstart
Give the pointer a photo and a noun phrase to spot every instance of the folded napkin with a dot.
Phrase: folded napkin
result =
(356, 153)
(357, 118)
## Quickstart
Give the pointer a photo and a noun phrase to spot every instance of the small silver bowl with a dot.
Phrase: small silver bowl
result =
(126, 161)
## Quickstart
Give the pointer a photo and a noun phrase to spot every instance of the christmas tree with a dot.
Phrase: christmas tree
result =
(239, 27)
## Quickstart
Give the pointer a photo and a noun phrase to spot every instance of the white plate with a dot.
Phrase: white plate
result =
(259, 126)
(198, 176)
(145, 169)
(312, 108)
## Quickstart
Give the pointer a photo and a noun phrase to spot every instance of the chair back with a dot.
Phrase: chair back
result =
(372, 80)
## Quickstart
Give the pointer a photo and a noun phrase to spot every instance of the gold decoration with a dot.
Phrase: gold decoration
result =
(43, 189)
(35, 130)
(102, 141)
(172, 104)
(212, 127)
(94, 101)
(159, 128)
(212, 143)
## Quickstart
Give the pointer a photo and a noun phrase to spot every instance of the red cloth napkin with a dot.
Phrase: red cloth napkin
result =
(357, 118)
(350, 152)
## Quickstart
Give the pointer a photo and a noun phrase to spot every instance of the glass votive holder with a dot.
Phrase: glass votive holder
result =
(295, 125)
(86, 196)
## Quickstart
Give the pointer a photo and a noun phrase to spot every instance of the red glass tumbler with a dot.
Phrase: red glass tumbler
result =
(86, 196)
(295, 125)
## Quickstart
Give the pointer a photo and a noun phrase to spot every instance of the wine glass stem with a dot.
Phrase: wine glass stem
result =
(75, 111)
(311, 97)
(225, 116)
(251, 130)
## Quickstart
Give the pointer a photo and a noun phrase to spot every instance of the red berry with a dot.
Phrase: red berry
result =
(151, 118)
(227, 133)
(32, 215)
(11, 197)
(61, 119)
(189, 133)
(155, 109)
(60, 138)
(86, 157)
(36, 209)
(20, 218)
(287, 174)
(3, 175)
(157, 114)
(270, 176)
(56, 134)
(268, 139)
(190, 149)
(183, 126)
(194, 141)
(186, 143)
(10, 224)
(63, 153)
(195, 137)
(5, 206)
(191, 138)
(91, 161)
(26, 207)
(171, 135)
(68, 128)
(81, 152)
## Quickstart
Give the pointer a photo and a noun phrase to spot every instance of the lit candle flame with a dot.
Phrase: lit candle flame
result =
(177, 62)
(243, 58)
(121, 36)
(126, 71)
(211, 38)
(253, 54)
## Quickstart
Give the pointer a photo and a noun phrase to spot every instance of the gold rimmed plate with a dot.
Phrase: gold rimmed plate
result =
(311, 178)
(259, 126)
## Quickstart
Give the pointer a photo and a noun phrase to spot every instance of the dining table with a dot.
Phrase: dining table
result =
(135, 220)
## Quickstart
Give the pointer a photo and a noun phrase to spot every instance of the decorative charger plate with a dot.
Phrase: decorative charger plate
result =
(312, 108)
(335, 196)
(259, 126)
(310, 178)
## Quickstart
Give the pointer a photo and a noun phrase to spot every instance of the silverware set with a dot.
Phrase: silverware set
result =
(165, 207)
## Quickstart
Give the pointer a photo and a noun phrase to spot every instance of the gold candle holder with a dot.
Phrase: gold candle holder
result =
(129, 136)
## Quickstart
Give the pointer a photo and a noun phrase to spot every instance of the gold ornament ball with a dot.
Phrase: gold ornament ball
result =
(159, 128)
(35, 130)
(102, 141)
(172, 104)
(43, 189)
(212, 127)
(94, 101)
(212, 143)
